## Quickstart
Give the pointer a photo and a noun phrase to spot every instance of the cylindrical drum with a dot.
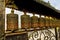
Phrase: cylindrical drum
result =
(25, 21)
(54, 22)
(42, 22)
(51, 23)
(58, 23)
(12, 21)
(47, 22)
(34, 21)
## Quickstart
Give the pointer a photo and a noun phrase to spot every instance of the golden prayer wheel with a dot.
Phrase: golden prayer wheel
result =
(54, 22)
(51, 22)
(42, 21)
(25, 21)
(47, 21)
(34, 21)
(12, 21)
(58, 23)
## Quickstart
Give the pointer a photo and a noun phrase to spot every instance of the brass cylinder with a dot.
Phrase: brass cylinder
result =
(51, 22)
(25, 21)
(12, 21)
(54, 22)
(34, 21)
(47, 21)
(58, 23)
(42, 22)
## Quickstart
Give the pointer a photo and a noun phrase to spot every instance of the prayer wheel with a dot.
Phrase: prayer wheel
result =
(12, 21)
(42, 22)
(25, 21)
(34, 21)
(47, 21)
(51, 22)
(54, 22)
(58, 23)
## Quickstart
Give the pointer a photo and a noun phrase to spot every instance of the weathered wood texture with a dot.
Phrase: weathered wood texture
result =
(2, 19)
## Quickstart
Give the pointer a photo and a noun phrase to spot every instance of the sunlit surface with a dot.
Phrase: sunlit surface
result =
(37, 15)
(47, 17)
(42, 16)
(50, 17)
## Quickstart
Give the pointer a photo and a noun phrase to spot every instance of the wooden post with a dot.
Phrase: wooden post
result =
(2, 19)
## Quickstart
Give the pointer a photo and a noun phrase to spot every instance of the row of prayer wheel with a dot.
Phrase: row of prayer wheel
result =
(30, 22)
